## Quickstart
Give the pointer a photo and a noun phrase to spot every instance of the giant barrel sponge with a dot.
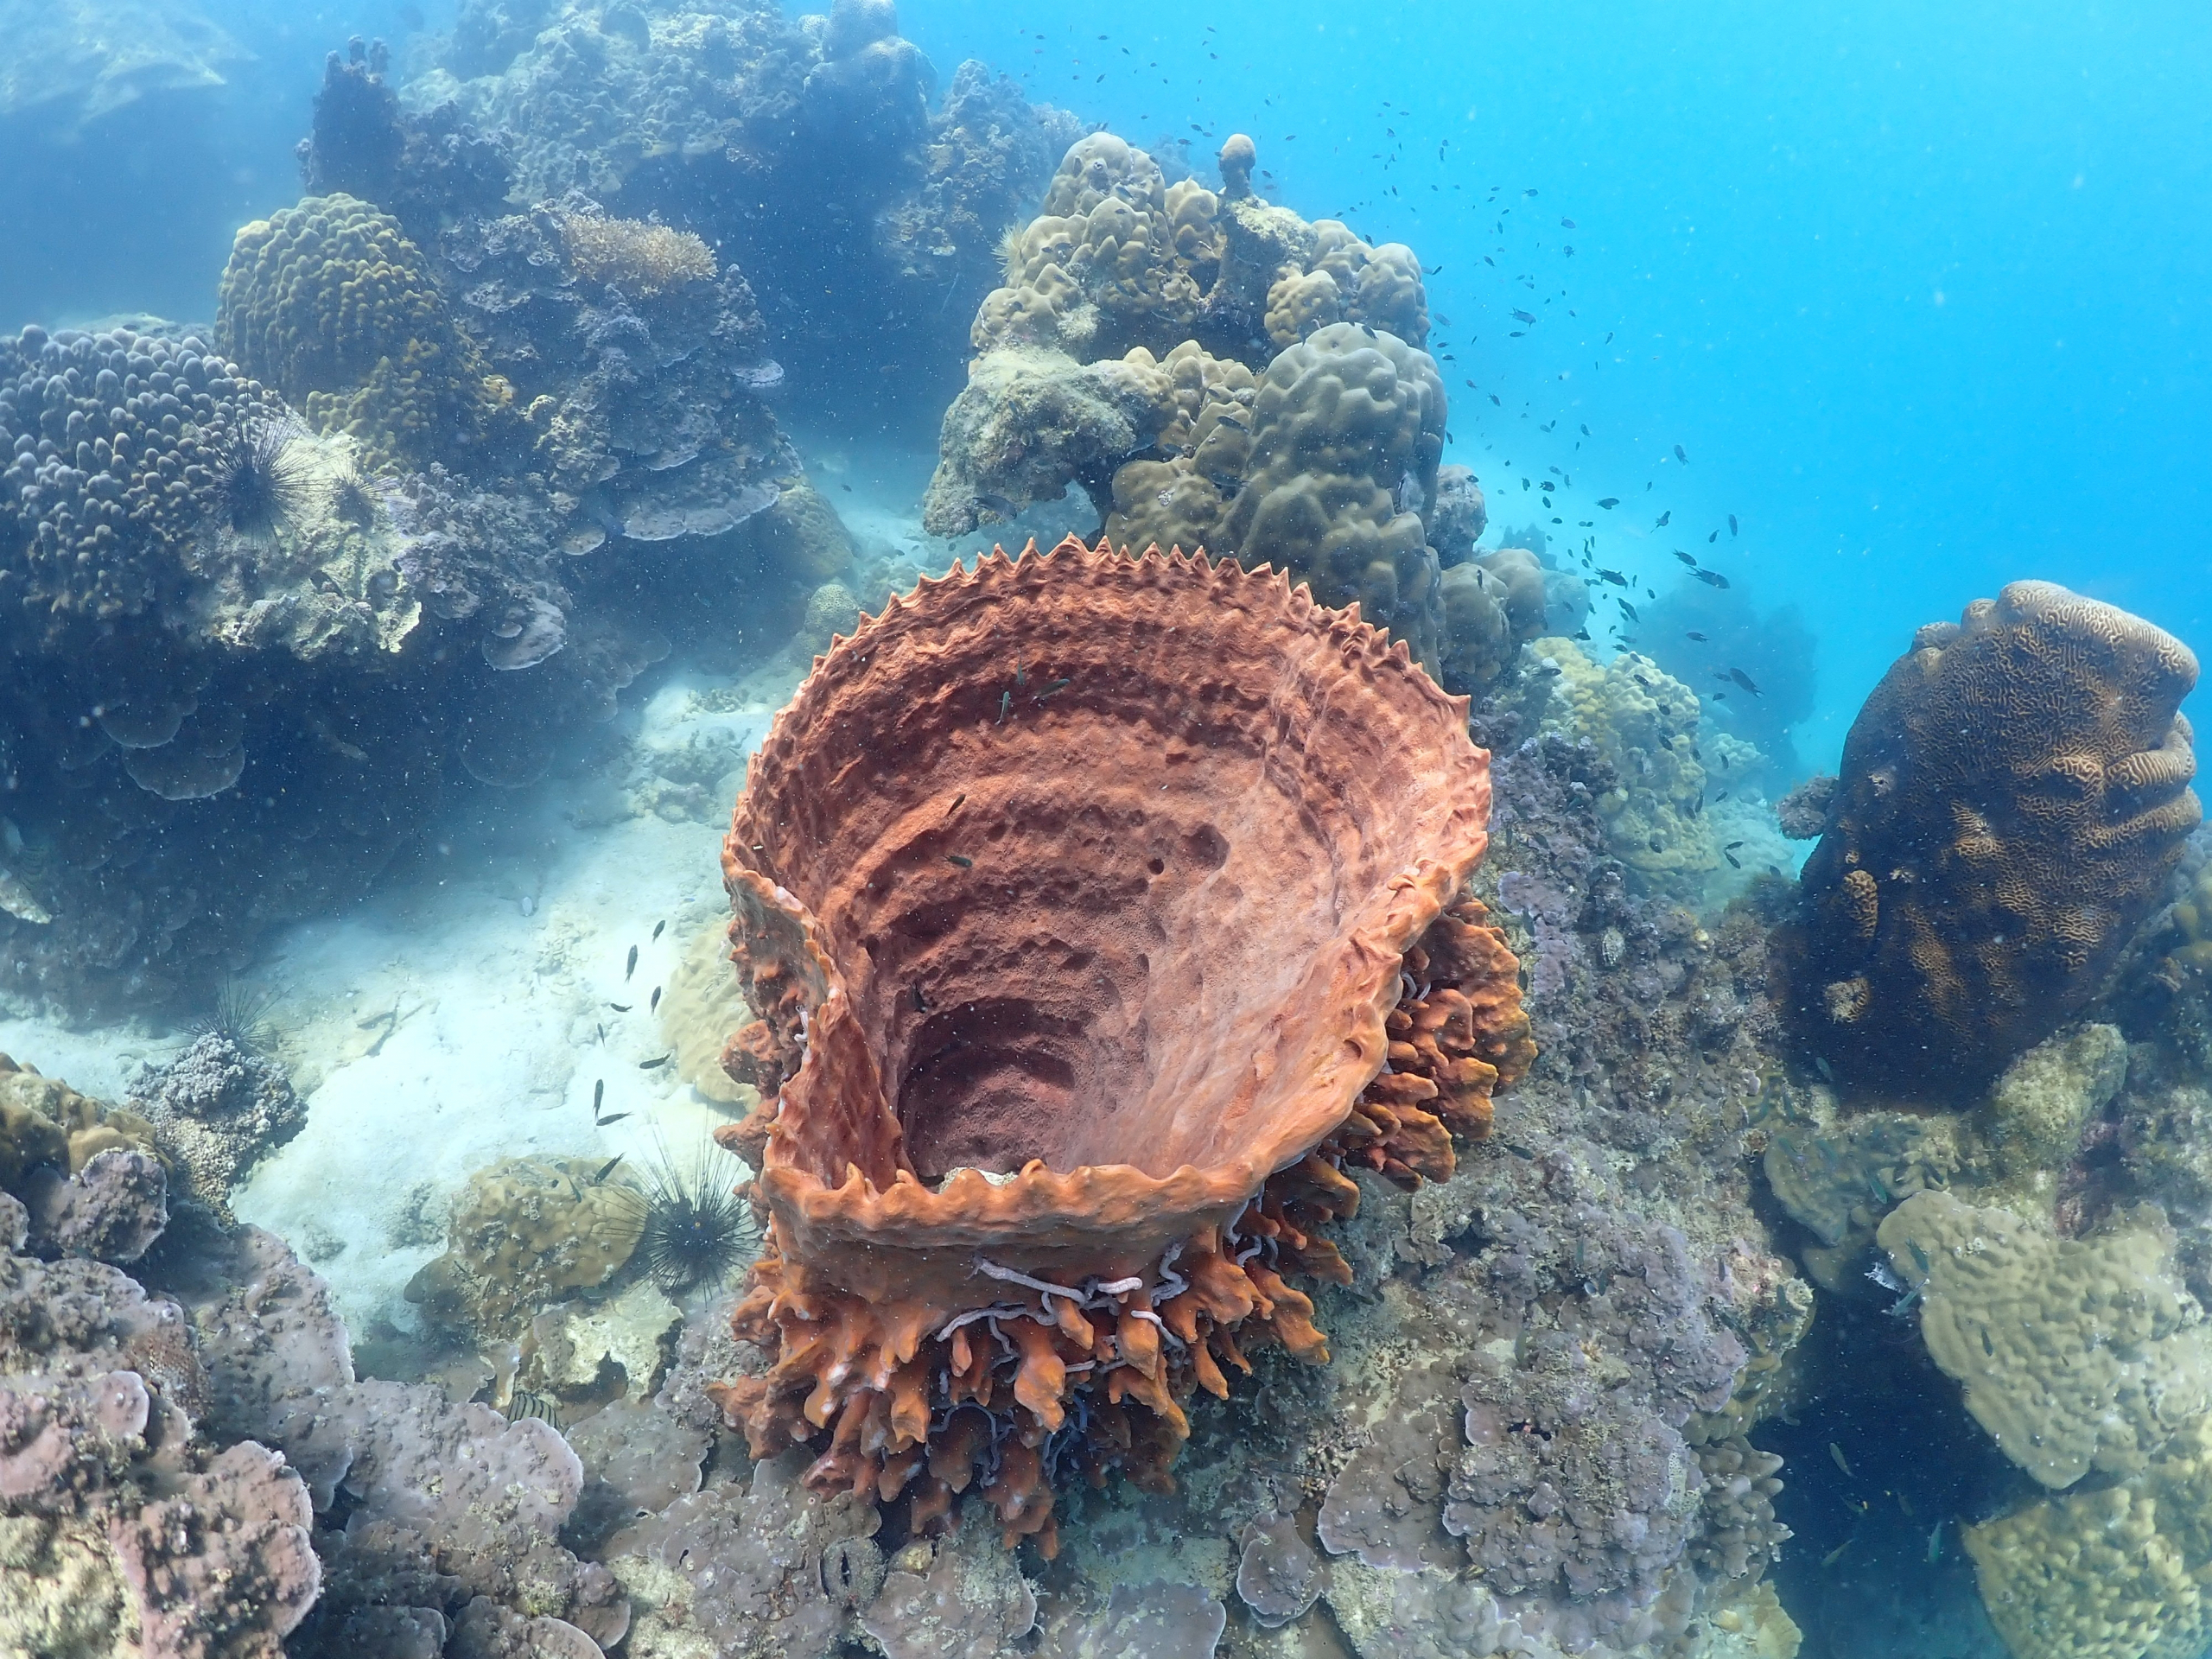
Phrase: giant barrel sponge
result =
(1102, 913)
(2015, 794)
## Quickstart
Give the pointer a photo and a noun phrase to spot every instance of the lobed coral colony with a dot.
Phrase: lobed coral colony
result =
(1275, 1099)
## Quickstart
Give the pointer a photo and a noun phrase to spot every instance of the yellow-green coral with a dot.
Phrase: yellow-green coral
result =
(1645, 723)
(329, 302)
(2074, 1354)
(2122, 1573)
(643, 258)
(44, 1120)
(526, 1232)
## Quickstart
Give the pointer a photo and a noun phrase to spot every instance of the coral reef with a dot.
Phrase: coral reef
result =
(1647, 726)
(216, 1109)
(217, 647)
(2014, 796)
(1776, 649)
(431, 173)
(329, 302)
(924, 1098)
(1124, 353)
(2073, 1354)
(806, 142)
(88, 1176)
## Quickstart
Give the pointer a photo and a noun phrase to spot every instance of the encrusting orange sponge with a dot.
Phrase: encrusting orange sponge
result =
(1101, 913)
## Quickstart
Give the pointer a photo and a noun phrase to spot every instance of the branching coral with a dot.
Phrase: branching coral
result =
(644, 258)
(2014, 795)
(1047, 1143)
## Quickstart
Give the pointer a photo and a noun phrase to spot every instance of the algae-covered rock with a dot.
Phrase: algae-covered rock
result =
(524, 1233)
(1646, 723)
(2030, 1123)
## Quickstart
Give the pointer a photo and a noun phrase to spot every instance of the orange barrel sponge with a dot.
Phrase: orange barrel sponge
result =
(1101, 913)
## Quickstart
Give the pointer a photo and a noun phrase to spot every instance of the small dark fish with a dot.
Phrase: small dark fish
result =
(1731, 847)
(1409, 497)
(1686, 558)
(1525, 194)
(1712, 578)
(602, 1033)
(598, 1094)
(1566, 224)
(1610, 503)
(1613, 577)
(1721, 696)
(1681, 456)
(1582, 633)
(1663, 518)
(1523, 316)
(999, 504)
(1734, 863)
(1628, 610)
(655, 1065)
(654, 1005)
(1056, 685)
(659, 928)
(1021, 675)
(1005, 701)
(1230, 420)
(1711, 539)
(957, 799)
(608, 1168)
(615, 1117)
(1431, 270)
(1695, 634)
(620, 1007)
(1585, 431)
(1722, 796)
(1731, 523)
(960, 860)
(633, 967)
(1743, 680)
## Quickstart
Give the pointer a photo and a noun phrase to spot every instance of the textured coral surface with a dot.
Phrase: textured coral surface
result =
(2014, 795)
(1072, 926)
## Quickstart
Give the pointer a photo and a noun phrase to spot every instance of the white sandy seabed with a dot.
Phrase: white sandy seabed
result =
(469, 1010)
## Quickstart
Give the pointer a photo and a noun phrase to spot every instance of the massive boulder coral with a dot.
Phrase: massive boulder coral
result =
(194, 592)
(1122, 356)
(1060, 1085)
(2014, 795)
(330, 303)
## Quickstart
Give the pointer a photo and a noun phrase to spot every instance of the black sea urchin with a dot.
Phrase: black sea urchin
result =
(238, 1015)
(257, 486)
(695, 1228)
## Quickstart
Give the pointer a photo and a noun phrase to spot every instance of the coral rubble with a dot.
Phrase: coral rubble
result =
(1107, 1264)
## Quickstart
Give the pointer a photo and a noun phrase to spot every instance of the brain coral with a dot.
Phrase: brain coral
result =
(1090, 947)
(2014, 795)
(331, 303)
